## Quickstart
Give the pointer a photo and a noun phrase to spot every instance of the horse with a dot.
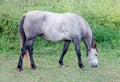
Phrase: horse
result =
(55, 27)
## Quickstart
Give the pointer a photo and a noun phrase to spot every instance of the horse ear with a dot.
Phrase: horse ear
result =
(93, 43)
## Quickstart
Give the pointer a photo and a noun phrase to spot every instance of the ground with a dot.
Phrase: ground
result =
(50, 71)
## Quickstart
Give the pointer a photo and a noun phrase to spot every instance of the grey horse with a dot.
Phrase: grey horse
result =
(55, 27)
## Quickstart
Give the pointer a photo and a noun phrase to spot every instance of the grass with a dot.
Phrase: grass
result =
(103, 16)
(49, 70)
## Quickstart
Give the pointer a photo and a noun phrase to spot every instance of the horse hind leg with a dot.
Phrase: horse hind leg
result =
(30, 50)
(65, 48)
(29, 44)
(23, 51)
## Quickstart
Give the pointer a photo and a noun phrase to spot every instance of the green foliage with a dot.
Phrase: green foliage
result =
(107, 37)
(103, 16)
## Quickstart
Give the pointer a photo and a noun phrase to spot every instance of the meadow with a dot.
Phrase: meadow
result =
(104, 19)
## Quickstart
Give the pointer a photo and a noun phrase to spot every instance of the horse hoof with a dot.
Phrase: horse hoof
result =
(34, 68)
(19, 69)
(62, 65)
(94, 66)
(82, 66)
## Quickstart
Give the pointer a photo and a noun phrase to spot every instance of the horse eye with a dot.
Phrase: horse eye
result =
(95, 54)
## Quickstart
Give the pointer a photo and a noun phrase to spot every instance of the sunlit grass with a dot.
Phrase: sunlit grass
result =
(50, 71)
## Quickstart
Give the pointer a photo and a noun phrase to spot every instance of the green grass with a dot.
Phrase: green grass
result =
(104, 18)
(49, 70)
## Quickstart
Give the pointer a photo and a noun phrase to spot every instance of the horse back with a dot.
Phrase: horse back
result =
(54, 26)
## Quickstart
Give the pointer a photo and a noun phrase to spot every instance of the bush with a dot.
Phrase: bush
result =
(103, 16)
(103, 34)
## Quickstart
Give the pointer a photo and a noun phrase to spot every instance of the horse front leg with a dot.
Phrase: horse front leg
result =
(65, 48)
(76, 41)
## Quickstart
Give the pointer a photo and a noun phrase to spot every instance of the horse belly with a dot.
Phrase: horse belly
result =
(57, 34)
(55, 37)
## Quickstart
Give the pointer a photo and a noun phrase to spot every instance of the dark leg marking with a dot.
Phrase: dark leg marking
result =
(30, 50)
(76, 41)
(23, 51)
(27, 46)
(65, 48)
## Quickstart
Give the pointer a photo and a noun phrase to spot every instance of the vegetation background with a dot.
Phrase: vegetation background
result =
(104, 19)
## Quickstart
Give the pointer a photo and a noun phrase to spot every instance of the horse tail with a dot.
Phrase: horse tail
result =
(26, 57)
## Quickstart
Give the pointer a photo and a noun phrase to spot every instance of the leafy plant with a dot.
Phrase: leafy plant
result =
(103, 17)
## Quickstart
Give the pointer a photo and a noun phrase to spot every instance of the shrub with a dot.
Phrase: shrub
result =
(103, 16)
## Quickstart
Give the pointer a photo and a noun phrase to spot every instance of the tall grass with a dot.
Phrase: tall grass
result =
(103, 16)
